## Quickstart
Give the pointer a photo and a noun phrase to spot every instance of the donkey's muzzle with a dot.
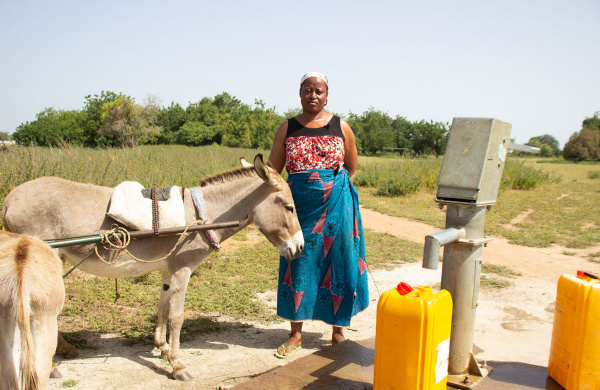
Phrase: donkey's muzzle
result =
(292, 248)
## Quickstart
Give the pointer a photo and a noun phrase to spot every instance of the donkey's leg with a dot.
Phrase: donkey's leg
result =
(8, 370)
(44, 333)
(179, 282)
(67, 350)
(160, 333)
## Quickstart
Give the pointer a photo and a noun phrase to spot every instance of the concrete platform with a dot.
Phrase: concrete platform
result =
(349, 366)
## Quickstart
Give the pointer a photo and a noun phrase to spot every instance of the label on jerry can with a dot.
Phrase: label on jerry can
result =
(441, 366)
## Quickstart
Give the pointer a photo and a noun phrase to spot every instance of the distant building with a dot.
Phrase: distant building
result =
(4, 145)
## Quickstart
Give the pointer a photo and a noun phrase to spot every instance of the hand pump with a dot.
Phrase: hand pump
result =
(468, 186)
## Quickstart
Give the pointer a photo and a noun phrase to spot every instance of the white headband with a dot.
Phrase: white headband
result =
(314, 74)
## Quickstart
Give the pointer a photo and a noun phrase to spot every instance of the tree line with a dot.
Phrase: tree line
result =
(583, 145)
(112, 119)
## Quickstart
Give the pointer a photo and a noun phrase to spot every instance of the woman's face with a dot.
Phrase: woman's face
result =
(313, 95)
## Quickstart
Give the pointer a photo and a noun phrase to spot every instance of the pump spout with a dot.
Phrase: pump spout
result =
(434, 241)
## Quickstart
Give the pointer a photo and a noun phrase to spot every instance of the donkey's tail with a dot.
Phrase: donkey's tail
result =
(28, 375)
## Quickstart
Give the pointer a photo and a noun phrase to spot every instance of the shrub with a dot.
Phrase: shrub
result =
(399, 177)
(583, 145)
(594, 174)
(519, 176)
(399, 187)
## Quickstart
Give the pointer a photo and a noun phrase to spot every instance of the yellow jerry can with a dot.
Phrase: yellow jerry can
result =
(412, 339)
(575, 349)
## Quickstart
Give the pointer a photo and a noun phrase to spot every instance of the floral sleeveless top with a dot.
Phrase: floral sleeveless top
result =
(319, 148)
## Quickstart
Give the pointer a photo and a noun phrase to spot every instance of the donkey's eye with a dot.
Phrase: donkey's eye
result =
(289, 208)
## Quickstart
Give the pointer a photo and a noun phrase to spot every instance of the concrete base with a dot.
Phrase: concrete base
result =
(346, 365)
(349, 366)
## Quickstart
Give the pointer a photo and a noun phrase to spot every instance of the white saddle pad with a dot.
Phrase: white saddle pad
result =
(129, 207)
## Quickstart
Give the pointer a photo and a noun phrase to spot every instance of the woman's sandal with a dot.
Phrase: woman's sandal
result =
(283, 355)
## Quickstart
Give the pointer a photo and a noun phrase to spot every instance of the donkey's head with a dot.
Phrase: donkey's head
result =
(276, 216)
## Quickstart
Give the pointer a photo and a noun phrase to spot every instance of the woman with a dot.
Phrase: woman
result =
(329, 280)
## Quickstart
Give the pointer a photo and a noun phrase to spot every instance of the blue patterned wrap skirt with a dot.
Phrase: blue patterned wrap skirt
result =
(328, 281)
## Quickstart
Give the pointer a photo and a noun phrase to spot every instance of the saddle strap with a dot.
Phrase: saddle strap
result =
(198, 202)
(155, 209)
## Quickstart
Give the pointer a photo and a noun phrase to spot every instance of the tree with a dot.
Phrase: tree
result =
(196, 134)
(549, 140)
(292, 112)
(171, 119)
(429, 137)
(403, 130)
(552, 144)
(373, 129)
(231, 122)
(52, 128)
(263, 125)
(129, 123)
(234, 117)
(546, 151)
(583, 145)
(4, 136)
(93, 119)
(592, 122)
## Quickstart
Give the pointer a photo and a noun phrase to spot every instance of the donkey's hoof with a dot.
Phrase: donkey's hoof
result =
(181, 375)
(54, 374)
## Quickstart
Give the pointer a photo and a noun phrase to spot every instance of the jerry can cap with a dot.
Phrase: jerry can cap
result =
(585, 274)
(404, 288)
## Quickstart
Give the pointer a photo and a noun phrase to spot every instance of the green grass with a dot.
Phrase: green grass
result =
(563, 161)
(498, 270)
(69, 383)
(385, 250)
(562, 197)
(564, 212)
(398, 177)
(491, 282)
(593, 174)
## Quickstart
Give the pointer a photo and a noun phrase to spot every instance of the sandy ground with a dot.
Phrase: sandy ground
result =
(512, 324)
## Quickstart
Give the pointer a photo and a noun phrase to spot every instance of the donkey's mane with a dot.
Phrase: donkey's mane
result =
(230, 175)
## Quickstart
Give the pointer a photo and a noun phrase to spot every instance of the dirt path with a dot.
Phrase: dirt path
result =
(512, 325)
(545, 264)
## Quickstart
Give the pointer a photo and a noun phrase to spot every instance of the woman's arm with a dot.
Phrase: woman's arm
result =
(351, 156)
(277, 156)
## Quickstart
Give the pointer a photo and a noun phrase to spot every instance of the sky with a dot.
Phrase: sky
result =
(534, 64)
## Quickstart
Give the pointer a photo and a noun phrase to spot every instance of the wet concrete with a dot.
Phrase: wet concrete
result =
(349, 366)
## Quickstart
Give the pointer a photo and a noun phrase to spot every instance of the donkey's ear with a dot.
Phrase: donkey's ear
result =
(267, 174)
(245, 163)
